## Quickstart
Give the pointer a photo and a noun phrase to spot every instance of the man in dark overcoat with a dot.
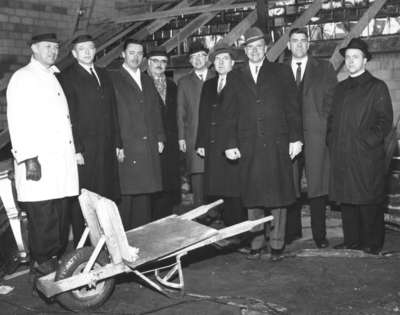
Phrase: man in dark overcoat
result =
(315, 80)
(262, 128)
(361, 118)
(138, 104)
(189, 89)
(91, 100)
(221, 177)
(164, 201)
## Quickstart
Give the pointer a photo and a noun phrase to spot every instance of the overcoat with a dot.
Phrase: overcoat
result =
(189, 90)
(318, 84)
(170, 155)
(95, 127)
(40, 126)
(141, 130)
(361, 117)
(221, 177)
(261, 119)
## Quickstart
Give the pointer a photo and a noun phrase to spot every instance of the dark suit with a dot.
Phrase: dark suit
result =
(315, 96)
(221, 177)
(261, 119)
(189, 89)
(96, 133)
(163, 202)
(141, 130)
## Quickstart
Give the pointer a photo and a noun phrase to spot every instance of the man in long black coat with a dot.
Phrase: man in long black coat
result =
(93, 110)
(143, 135)
(164, 201)
(262, 128)
(315, 80)
(361, 118)
(221, 177)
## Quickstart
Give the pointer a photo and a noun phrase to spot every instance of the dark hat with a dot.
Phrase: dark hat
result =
(81, 38)
(253, 34)
(157, 51)
(43, 37)
(220, 48)
(197, 47)
(357, 43)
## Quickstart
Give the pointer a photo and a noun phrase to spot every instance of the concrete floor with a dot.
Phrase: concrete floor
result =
(221, 282)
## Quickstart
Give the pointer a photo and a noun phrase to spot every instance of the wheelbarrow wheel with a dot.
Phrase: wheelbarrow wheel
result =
(83, 298)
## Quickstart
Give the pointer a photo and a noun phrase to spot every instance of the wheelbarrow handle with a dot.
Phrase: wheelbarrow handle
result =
(199, 211)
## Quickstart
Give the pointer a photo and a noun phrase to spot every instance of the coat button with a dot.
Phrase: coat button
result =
(212, 141)
(213, 123)
(133, 162)
(144, 138)
(70, 141)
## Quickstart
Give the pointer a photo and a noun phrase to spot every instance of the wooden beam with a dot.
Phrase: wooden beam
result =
(183, 11)
(301, 21)
(192, 26)
(140, 35)
(261, 14)
(240, 28)
(337, 58)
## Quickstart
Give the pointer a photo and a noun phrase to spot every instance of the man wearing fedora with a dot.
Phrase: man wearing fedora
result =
(361, 117)
(164, 201)
(221, 177)
(91, 101)
(142, 133)
(315, 80)
(262, 129)
(189, 89)
(46, 174)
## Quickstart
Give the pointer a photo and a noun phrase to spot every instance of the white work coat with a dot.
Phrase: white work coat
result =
(39, 125)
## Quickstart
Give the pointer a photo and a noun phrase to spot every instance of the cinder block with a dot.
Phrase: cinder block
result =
(4, 18)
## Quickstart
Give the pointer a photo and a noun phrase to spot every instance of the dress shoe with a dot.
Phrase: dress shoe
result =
(45, 268)
(322, 243)
(276, 254)
(371, 250)
(344, 246)
(245, 250)
(256, 254)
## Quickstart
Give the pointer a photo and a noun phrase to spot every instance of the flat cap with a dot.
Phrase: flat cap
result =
(43, 37)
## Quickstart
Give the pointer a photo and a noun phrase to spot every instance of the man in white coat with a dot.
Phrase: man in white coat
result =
(44, 153)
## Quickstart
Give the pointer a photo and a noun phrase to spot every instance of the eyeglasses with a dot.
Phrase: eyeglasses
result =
(159, 61)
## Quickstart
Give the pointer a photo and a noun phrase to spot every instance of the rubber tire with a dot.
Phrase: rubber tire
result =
(73, 262)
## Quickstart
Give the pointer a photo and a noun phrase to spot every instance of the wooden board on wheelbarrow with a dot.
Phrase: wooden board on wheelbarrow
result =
(160, 238)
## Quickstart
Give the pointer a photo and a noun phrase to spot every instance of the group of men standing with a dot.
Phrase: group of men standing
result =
(247, 133)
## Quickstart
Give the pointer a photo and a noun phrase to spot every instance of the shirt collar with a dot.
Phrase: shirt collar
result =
(302, 60)
(86, 67)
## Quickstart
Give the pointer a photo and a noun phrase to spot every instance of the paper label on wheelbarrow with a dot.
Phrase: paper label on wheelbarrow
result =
(158, 239)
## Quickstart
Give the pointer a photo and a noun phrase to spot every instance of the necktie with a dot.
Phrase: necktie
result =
(257, 68)
(201, 77)
(94, 76)
(221, 84)
(298, 74)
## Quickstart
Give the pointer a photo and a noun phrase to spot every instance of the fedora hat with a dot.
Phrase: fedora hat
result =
(196, 47)
(43, 37)
(220, 48)
(157, 51)
(357, 43)
(82, 38)
(253, 34)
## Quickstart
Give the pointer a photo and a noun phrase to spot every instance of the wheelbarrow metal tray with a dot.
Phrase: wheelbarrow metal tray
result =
(163, 237)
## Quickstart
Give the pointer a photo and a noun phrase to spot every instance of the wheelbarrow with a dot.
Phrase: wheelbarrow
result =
(85, 277)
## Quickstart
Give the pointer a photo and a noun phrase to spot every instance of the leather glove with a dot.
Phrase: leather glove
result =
(33, 169)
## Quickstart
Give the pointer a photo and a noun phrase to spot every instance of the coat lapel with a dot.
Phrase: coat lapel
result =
(128, 77)
(310, 74)
(248, 78)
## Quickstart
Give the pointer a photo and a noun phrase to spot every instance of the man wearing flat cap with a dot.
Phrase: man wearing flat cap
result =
(262, 130)
(91, 100)
(142, 133)
(163, 201)
(361, 118)
(46, 174)
(221, 177)
(189, 89)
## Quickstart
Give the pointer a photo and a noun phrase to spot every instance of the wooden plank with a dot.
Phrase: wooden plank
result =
(301, 21)
(192, 26)
(140, 35)
(337, 58)
(207, 8)
(240, 28)
(195, 213)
